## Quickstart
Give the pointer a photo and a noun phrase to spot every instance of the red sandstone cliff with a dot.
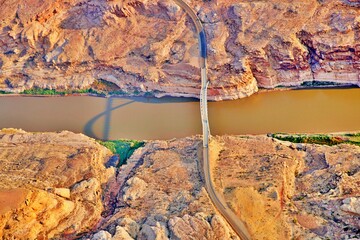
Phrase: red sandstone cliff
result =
(150, 46)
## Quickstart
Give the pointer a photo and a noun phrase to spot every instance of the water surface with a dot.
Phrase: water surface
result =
(305, 111)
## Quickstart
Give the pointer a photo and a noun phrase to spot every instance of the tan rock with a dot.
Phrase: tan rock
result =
(156, 232)
(189, 227)
(221, 230)
(62, 192)
(50, 184)
(130, 226)
(102, 235)
(68, 45)
(284, 191)
(174, 193)
(121, 234)
(279, 190)
(351, 205)
(136, 189)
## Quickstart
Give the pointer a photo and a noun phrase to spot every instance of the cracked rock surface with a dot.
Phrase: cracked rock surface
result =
(50, 184)
(164, 197)
(150, 47)
(56, 185)
(290, 191)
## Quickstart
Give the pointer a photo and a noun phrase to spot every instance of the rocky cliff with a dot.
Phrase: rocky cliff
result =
(284, 190)
(149, 47)
(51, 184)
(57, 186)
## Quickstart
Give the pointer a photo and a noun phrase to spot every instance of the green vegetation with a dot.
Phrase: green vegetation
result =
(123, 148)
(46, 91)
(40, 91)
(323, 139)
(118, 92)
(319, 83)
(355, 135)
(100, 88)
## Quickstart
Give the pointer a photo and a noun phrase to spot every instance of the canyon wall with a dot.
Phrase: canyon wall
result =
(61, 186)
(150, 47)
(286, 190)
(51, 184)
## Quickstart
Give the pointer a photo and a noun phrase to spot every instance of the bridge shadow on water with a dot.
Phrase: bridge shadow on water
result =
(88, 128)
(109, 108)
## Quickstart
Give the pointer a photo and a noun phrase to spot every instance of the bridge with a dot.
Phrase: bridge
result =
(237, 225)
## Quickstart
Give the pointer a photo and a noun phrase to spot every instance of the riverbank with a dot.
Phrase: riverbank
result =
(107, 89)
(160, 191)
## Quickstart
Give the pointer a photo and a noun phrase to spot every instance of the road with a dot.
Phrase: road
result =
(217, 200)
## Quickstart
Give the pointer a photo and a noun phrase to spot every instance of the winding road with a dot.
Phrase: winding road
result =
(237, 225)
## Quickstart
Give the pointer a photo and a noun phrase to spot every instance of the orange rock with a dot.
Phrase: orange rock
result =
(69, 45)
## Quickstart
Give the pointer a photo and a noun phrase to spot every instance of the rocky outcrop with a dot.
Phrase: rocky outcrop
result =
(55, 185)
(164, 197)
(280, 190)
(150, 47)
(51, 184)
(290, 191)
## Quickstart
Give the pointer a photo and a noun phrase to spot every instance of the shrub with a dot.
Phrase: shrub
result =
(318, 138)
(123, 148)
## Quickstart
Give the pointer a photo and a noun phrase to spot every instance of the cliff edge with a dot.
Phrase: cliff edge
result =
(59, 185)
(149, 47)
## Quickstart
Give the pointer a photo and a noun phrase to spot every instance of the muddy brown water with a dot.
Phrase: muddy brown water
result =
(298, 111)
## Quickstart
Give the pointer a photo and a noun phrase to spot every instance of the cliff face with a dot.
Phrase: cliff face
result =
(55, 185)
(162, 196)
(51, 185)
(150, 46)
(290, 191)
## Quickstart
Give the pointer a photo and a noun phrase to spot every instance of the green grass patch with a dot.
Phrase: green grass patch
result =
(123, 148)
(41, 91)
(46, 91)
(4, 92)
(323, 139)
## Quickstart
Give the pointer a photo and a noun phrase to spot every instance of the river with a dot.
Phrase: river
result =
(297, 111)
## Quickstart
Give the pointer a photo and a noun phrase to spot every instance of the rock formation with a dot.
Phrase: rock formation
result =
(290, 191)
(163, 197)
(51, 184)
(55, 185)
(150, 46)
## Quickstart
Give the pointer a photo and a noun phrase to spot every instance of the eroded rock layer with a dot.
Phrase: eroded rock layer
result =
(162, 196)
(51, 184)
(290, 191)
(151, 47)
(56, 186)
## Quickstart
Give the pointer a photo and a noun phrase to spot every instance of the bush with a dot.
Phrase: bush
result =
(318, 138)
(41, 91)
(123, 148)
(46, 91)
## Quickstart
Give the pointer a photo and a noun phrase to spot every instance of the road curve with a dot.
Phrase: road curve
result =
(219, 203)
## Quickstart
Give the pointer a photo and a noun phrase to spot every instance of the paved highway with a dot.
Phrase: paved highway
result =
(217, 200)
